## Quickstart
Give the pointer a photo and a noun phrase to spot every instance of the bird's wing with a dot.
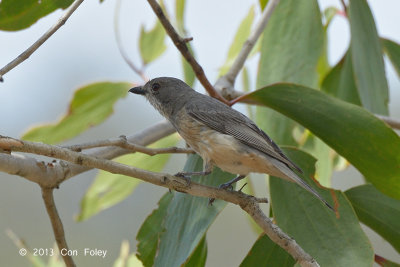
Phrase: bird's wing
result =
(229, 121)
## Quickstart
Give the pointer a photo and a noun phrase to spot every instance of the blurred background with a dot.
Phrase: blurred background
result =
(84, 51)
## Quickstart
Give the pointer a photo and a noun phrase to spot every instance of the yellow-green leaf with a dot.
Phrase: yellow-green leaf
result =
(20, 14)
(90, 106)
(151, 43)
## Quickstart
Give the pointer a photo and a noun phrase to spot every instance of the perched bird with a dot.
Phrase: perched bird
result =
(221, 135)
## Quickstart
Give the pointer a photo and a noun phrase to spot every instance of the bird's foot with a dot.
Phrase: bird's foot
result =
(227, 186)
(185, 176)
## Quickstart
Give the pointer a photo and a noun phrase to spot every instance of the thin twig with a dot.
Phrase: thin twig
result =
(225, 84)
(124, 143)
(119, 44)
(28, 52)
(180, 44)
(56, 223)
(246, 202)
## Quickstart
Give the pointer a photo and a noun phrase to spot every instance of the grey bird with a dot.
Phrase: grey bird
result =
(221, 135)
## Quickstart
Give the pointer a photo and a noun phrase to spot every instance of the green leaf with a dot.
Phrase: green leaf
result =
(314, 227)
(392, 49)
(287, 56)
(364, 140)
(151, 43)
(150, 232)
(340, 81)
(109, 189)
(264, 252)
(263, 3)
(180, 13)
(380, 212)
(90, 106)
(188, 218)
(240, 38)
(323, 66)
(20, 14)
(384, 262)
(366, 53)
(199, 256)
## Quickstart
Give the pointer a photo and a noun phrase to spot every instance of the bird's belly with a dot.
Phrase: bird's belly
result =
(231, 155)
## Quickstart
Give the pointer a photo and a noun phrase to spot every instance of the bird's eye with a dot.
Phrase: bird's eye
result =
(155, 86)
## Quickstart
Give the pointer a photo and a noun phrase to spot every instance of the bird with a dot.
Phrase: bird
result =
(219, 134)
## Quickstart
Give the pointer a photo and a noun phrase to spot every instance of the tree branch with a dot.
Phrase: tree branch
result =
(56, 223)
(180, 44)
(28, 52)
(246, 202)
(225, 84)
(123, 143)
(119, 44)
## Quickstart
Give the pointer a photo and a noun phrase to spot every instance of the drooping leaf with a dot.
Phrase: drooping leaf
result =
(90, 106)
(323, 66)
(188, 218)
(392, 49)
(314, 227)
(264, 252)
(365, 141)
(240, 38)
(340, 81)
(380, 212)
(151, 43)
(150, 232)
(20, 14)
(109, 189)
(367, 59)
(286, 55)
(179, 14)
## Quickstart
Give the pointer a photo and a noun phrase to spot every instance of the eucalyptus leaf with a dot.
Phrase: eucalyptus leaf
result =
(20, 14)
(151, 43)
(90, 106)
(367, 58)
(364, 140)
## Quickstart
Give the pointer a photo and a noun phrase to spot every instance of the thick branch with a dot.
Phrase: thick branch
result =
(180, 44)
(226, 83)
(248, 203)
(28, 52)
(53, 173)
(124, 143)
(56, 223)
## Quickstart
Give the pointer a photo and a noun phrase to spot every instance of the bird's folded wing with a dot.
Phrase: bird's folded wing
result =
(239, 126)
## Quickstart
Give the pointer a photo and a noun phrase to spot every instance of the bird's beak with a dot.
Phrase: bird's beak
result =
(137, 90)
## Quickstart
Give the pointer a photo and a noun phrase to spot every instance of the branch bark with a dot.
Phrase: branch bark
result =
(248, 203)
(180, 44)
(56, 223)
(28, 52)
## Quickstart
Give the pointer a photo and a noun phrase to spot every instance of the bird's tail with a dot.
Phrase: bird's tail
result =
(295, 178)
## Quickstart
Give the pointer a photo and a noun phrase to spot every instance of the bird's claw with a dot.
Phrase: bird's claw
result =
(184, 176)
(227, 186)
